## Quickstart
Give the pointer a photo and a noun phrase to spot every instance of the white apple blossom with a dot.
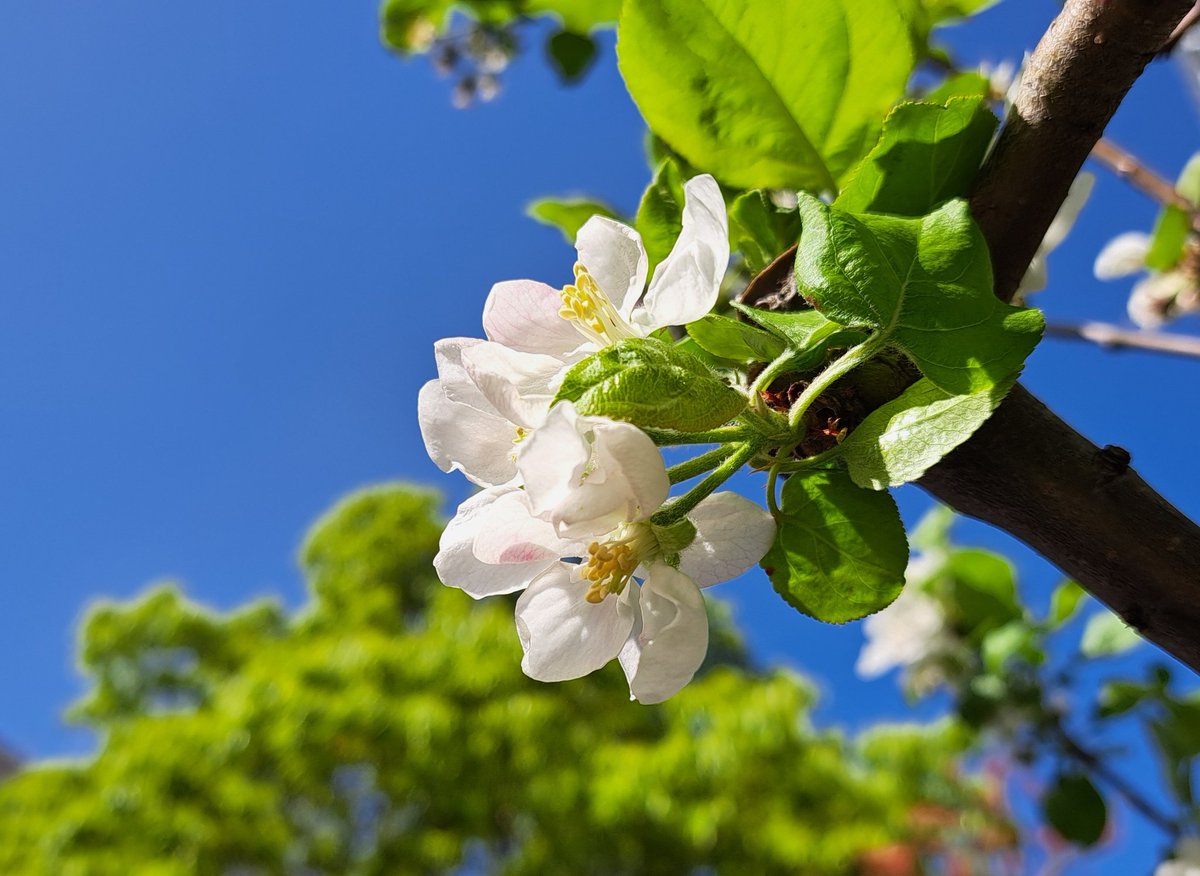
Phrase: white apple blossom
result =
(600, 587)
(1186, 861)
(605, 304)
(907, 631)
(485, 401)
(1035, 275)
(1158, 297)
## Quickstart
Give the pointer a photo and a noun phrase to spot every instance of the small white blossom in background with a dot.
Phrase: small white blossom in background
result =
(1186, 861)
(1158, 297)
(907, 631)
(1035, 276)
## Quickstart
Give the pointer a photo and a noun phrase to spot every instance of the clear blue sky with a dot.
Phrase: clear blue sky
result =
(229, 235)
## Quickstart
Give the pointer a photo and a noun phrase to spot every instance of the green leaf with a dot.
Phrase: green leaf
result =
(759, 230)
(923, 284)
(578, 16)
(1075, 809)
(1014, 639)
(571, 54)
(660, 213)
(410, 25)
(651, 383)
(1107, 635)
(983, 592)
(1174, 225)
(1118, 697)
(839, 552)
(960, 85)
(904, 438)
(927, 154)
(808, 332)
(730, 339)
(1064, 602)
(568, 215)
(932, 532)
(766, 95)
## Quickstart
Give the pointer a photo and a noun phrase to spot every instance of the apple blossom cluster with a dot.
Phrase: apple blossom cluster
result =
(571, 510)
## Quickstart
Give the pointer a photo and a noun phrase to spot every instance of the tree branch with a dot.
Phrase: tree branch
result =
(1127, 166)
(1115, 337)
(1026, 471)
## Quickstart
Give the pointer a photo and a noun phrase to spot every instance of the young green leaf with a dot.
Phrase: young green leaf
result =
(652, 384)
(983, 592)
(1106, 635)
(1014, 639)
(660, 213)
(568, 215)
(927, 154)
(1075, 809)
(808, 332)
(1064, 602)
(960, 85)
(924, 285)
(904, 438)
(729, 339)
(764, 95)
(760, 230)
(1174, 225)
(839, 552)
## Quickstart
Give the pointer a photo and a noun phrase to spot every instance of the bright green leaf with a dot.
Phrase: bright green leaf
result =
(1015, 638)
(759, 230)
(578, 16)
(927, 154)
(960, 85)
(1075, 809)
(568, 215)
(652, 384)
(1174, 225)
(983, 592)
(730, 339)
(923, 284)
(660, 213)
(1106, 635)
(766, 95)
(904, 438)
(1064, 602)
(808, 332)
(840, 552)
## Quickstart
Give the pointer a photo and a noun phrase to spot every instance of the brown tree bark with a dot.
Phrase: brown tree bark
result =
(1026, 471)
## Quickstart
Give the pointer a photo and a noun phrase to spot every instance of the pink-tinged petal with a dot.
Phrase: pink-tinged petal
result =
(509, 533)
(732, 534)
(615, 257)
(1125, 254)
(687, 283)
(456, 563)
(518, 385)
(523, 315)
(664, 654)
(565, 636)
(459, 437)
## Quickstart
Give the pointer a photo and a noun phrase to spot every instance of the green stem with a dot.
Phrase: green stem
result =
(726, 435)
(773, 370)
(685, 471)
(849, 360)
(677, 509)
(772, 477)
(809, 462)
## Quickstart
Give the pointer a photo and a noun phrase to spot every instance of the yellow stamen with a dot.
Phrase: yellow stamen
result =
(611, 564)
(586, 305)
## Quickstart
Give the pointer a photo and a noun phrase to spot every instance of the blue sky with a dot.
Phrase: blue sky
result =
(229, 236)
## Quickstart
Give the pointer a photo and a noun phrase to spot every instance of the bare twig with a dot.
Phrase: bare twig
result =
(1117, 338)
(1128, 167)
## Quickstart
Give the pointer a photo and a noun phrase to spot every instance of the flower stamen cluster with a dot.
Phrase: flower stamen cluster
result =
(592, 312)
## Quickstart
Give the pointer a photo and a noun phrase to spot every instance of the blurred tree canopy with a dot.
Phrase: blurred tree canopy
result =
(386, 727)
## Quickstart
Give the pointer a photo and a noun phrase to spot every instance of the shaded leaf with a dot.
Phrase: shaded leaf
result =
(1075, 809)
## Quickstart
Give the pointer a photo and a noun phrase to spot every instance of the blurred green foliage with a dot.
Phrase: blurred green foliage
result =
(386, 727)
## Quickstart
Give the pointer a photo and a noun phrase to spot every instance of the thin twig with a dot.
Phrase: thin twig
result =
(1128, 167)
(1117, 338)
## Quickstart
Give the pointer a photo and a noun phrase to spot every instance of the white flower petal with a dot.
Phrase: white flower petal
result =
(523, 315)
(732, 534)
(456, 382)
(1072, 206)
(464, 438)
(906, 631)
(1125, 254)
(518, 385)
(588, 475)
(564, 635)
(615, 257)
(687, 283)
(509, 533)
(456, 563)
(664, 654)
(1151, 303)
